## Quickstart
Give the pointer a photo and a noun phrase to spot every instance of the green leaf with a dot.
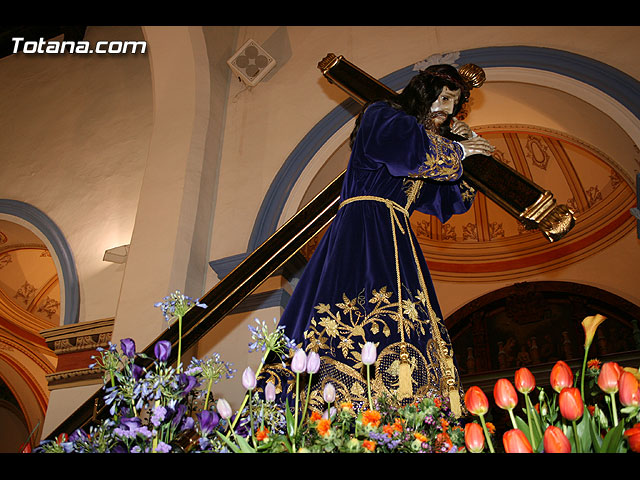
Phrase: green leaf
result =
(594, 432)
(584, 432)
(229, 443)
(611, 442)
(244, 445)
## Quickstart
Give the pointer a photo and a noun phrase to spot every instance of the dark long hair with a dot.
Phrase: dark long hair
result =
(422, 90)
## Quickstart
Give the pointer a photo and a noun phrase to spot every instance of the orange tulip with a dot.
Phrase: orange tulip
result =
(633, 437)
(515, 441)
(590, 325)
(570, 402)
(561, 376)
(555, 441)
(609, 376)
(476, 401)
(629, 390)
(504, 394)
(525, 381)
(474, 437)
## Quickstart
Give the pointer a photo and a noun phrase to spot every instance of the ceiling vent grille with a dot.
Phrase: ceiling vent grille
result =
(251, 63)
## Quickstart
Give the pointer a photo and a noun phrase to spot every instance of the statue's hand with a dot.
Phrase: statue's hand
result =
(477, 145)
(461, 128)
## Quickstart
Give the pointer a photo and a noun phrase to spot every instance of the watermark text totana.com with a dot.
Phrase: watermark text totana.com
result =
(79, 47)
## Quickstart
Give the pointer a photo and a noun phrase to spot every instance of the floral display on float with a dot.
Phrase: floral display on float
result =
(164, 408)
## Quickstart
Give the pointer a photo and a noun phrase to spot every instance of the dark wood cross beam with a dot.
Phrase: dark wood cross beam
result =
(530, 204)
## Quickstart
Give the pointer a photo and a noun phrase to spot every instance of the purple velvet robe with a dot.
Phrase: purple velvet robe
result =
(368, 281)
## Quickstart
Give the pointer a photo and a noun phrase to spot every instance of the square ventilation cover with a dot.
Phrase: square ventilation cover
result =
(251, 63)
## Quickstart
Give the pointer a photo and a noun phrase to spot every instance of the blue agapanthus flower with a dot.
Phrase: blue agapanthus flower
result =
(175, 305)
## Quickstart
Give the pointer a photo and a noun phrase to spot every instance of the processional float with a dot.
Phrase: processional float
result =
(530, 204)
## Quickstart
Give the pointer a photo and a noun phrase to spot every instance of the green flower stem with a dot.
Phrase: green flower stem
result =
(369, 387)
(614, 408)
(206, 398)
(295, 418)
(306, 404)
(486, 434)
(575, 437)
(179, 361)
(246, 397)
(513, 418)
(584, 369)
(532, 414)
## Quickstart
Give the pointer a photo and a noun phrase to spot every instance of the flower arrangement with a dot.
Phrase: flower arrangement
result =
(164, 408)
(603, 417)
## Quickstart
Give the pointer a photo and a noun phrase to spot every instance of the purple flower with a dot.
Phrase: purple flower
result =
(369, 353)
(128, 347)
(248, 379)
(270, 392)
(224, 409)
(187, 383)
(178, 414)
(208, 421)
(162, 350)
(159, 414)
(137, 371)
(299, 361)
(163, 447)
(313, 363)
(329, 393)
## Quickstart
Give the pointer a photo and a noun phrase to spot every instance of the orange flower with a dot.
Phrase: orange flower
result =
(561, 376)
(476, 401)
(315, 416)
(369, 445)
(570, 402)
(629, 389)
(420, 437)
(371, 417)
(524, 380)
(437, 402)
(443, 440)
(608, 378)
(504, 394)
(388, 429)
(397, 425)
(323, 426)
(515, 441)
(346, 406)
(491, 428)
(474, 437)
(633, 437)
(555, 441)
(590, 324)
(594, 364)
(444, 424)
(262, 434)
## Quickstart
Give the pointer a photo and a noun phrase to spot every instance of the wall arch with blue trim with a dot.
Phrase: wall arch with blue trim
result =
(50, 233)
(612, 88)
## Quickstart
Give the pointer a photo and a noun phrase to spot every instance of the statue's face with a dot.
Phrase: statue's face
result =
(444, 105)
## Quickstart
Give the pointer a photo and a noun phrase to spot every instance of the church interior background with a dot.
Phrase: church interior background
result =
(128, 176)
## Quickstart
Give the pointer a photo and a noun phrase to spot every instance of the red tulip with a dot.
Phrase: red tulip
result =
(570, 402)
(515, 441)
(474, 437)
(555, 441)
(504, 394)
(609, 376)
(476, 401)
(629, 394)
(633, 437)
(525, 381)
(561, 376)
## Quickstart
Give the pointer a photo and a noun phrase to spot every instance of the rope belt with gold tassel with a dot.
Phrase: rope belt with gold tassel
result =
(445, 355)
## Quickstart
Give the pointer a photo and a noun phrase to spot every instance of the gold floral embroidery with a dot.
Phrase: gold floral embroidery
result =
(467, 192)
(442, 160)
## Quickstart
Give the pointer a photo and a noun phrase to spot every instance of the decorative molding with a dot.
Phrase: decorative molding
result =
(58, 247)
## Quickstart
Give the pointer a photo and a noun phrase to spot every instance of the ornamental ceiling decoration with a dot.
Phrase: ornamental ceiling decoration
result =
(29, 286)
(488, 244)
